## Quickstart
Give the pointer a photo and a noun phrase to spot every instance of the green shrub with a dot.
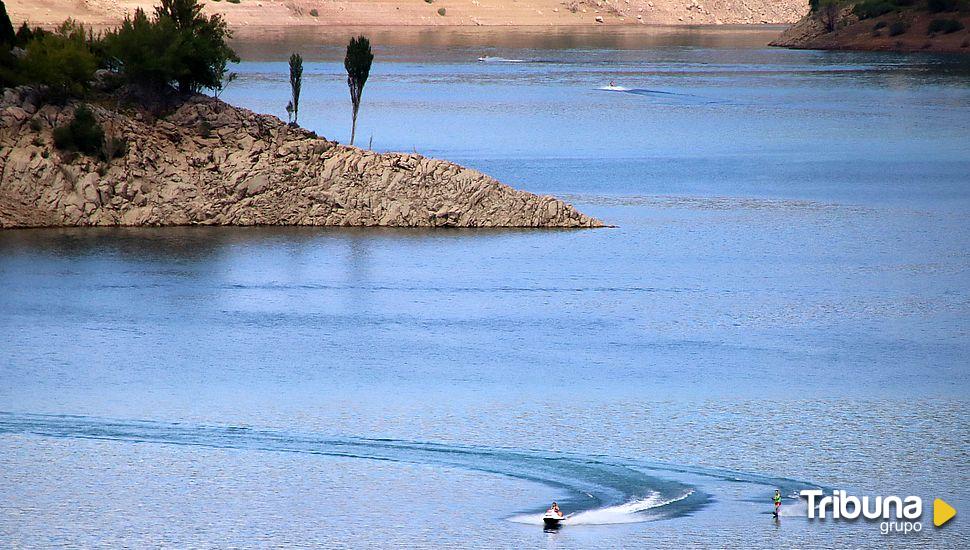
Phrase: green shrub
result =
(429, 1)
(873, 8)
(178, 47)
(62, 61)
(314, 13)
(937, 6)
(142, 50)
(25, 34)
(898, 28)
(945, 26)
(233, 1)
(441, 11)
(83, 134)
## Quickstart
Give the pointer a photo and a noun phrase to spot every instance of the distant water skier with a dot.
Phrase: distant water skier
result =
(777, 500)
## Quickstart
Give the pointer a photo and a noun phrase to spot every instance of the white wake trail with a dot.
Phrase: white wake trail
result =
(628, 512)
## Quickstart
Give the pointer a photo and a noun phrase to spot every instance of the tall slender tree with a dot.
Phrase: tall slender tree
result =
(186, 14)
(357, 62)
(296, 82)
(7, 35)
(25, 33)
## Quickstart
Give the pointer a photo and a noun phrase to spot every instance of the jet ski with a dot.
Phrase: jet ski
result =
(552, 520)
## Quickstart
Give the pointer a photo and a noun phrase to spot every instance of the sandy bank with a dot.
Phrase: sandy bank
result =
(309, 13)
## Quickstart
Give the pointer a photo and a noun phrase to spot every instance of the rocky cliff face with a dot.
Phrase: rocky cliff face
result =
(214, 164)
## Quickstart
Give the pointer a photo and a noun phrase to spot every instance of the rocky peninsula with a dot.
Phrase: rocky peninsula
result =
(210, 163)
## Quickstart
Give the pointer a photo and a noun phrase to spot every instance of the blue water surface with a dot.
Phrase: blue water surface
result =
(782, 301)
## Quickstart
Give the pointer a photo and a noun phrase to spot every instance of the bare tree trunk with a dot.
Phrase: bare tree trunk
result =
(830, 16)
(353, 126)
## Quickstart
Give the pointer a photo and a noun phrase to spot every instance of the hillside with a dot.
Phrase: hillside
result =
(255, 13)
(886, 25)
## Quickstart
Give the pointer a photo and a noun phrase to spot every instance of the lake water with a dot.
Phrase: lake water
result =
(782, 303)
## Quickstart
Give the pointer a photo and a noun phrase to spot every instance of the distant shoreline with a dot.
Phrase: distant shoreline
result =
(509, 36)
(312, 14)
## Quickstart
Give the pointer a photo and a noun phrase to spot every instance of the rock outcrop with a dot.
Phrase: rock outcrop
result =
(210, 163)
(803, 32)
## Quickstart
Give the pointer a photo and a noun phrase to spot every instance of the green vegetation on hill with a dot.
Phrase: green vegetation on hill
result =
(944, 26)
(875, 8)
(831, 13)
(177, 47)
(82, 134)
(883, 25)
(939, 6)
(63, 61)
(867, 9)
(177, 50)
(898, 28)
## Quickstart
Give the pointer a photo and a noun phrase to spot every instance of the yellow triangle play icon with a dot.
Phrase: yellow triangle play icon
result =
(942, 512)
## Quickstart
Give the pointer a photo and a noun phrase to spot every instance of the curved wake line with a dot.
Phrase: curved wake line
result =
(663, 93)
(641, 91)
(600, 490)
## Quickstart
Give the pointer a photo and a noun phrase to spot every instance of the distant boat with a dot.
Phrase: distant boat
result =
(612, 88)
(492, 59)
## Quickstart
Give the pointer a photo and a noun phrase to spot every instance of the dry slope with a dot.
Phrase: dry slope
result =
(284, 13)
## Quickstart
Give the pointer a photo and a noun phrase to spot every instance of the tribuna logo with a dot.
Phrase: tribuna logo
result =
(898, 514)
